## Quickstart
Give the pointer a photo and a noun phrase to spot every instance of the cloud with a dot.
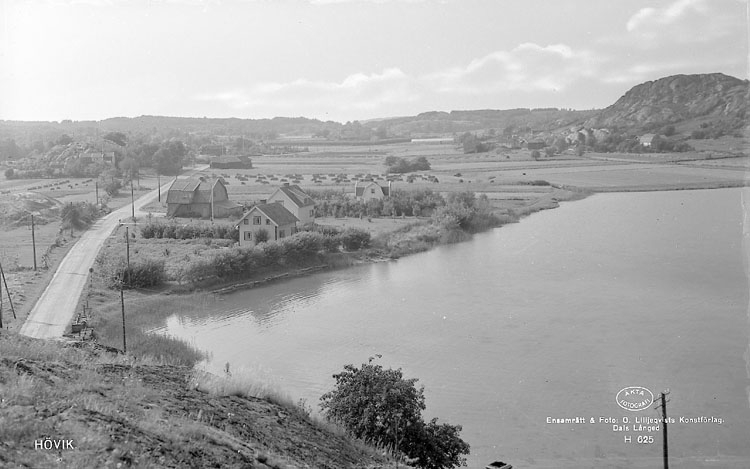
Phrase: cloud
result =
(687, 22)
(356, 92)
(648, 16)
(527, 67)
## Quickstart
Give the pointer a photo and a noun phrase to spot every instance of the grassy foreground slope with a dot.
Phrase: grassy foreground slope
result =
(104, 410)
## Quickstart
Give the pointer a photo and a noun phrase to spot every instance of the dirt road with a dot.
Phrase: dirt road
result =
(56, 307)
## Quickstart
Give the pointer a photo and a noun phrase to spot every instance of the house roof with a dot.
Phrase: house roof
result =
(360, 190)
(275, 212)
(646, 137)
(297, 195)
(189, 191)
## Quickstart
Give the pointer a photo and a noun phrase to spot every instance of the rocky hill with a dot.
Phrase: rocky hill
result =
(675, 99)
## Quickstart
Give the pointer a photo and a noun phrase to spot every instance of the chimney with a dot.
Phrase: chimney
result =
(286, 184)
(263, 201)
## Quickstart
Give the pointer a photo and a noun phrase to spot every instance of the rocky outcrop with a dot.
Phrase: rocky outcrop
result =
(677, 98)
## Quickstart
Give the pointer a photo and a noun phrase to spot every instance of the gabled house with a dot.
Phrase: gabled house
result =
(296, 201)
(369, 190)
(201, 199)
(273, 218)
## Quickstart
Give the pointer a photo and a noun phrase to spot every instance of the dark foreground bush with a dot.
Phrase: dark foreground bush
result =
(355, 239)
(383, 408)
(145, 273)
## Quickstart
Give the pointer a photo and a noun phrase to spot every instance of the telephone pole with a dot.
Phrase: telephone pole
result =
(122, 281)
(132, 200)
(158, 185)
(7, 293)
(33, 240)
(663, 406)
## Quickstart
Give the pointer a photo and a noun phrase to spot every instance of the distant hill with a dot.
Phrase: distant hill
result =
(676, 99)
(440, 122)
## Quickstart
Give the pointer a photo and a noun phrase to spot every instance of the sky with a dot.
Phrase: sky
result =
(346, 60)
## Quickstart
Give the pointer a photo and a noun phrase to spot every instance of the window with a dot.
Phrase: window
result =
(312, 212)
(256, 220)
(248, 235)
(372, 191)
(247, 222)
(268, 221)
(281, 233)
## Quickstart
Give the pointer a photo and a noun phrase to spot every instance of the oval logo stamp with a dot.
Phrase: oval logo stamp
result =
(635, 398)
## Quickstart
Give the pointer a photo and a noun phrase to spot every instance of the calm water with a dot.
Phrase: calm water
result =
(549, 317)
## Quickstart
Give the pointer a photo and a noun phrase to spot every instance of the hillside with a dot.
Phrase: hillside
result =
(676, 99)
(96, 409)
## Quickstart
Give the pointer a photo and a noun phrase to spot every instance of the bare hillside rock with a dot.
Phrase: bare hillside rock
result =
(677, 98)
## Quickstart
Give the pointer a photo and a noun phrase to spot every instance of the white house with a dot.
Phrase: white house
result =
(296, 201)
(273, 218)
(371, 190)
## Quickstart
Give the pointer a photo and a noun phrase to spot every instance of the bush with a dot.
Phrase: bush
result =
(355, 239)
(260, 236)
(383, 408)
(9, 173)
(140, 274)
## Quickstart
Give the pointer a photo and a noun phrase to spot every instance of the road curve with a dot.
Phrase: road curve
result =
(56, 307)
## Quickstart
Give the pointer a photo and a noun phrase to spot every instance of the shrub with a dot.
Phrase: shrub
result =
(260, 236)
(355, 239)
(382, 407)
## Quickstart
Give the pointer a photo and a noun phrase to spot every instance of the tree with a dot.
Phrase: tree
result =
(535, 154)
(382, 407)
(117, 138)
(72, 218)
(9, 173)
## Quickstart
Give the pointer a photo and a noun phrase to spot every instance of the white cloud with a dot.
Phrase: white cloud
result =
(648, 16)
(358, 91)
(527, 67)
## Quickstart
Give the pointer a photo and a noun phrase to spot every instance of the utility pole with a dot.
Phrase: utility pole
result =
(132, 199)
(212, 201)
(158, 185)
(663, 406)
(7, 292)
(1, 306)
(122, 281)
(33, 240)
(122, 303)
(127, 249)
(96, 187)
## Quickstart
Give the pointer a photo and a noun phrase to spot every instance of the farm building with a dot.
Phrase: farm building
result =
(535, 144)
(296, 201)
(273, 218)
(199, 198)
(231, 162)
(369, 190)
(646, 139)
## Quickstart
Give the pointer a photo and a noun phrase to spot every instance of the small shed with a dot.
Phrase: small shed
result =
(646, 139)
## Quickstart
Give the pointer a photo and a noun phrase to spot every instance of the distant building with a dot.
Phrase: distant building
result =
(535, 144)
(201, 199)
(646, 139)
(296, 201)
(212, 149)
(231, 162)
(273, 218)
(369, 190)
